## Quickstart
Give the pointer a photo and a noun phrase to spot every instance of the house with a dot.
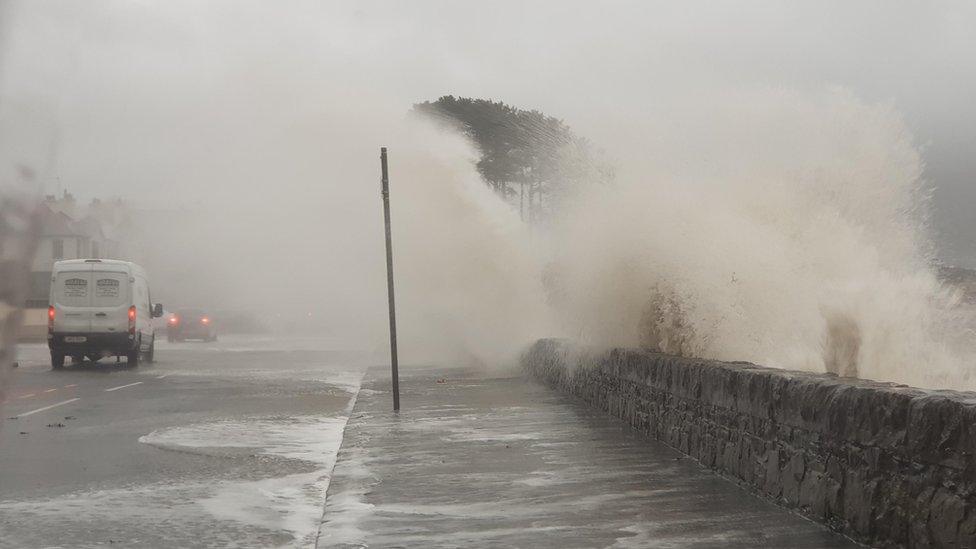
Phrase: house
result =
(62, 236)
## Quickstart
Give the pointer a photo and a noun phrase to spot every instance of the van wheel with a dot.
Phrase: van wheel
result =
(133, 357)
(151, 355)
(57, 361)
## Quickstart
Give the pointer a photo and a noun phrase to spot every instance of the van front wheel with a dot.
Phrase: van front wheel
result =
(57, 361)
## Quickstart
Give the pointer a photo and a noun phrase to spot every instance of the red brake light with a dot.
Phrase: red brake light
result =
(51, 313)
(174, 319)
(205, 320)
(132, 319)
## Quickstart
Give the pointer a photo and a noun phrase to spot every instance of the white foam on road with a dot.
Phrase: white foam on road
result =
(283, 510)
(293, 502)
(342, 522)
(165, 514)
(308, 438)
(290, 505)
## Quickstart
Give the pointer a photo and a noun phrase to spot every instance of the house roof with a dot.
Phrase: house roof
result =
(55, 223)
(89, 226)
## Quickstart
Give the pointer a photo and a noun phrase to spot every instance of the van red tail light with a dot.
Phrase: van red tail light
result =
(132, 319)
(51, 313)
(174, 320)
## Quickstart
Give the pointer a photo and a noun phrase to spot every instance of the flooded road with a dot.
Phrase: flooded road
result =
(223, 443)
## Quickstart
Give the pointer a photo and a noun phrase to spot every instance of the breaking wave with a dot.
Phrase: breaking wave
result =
(783, 228)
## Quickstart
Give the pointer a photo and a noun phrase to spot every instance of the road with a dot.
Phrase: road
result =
(215, 444)
(233, 444)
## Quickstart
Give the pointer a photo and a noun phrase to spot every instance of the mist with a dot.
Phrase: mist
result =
(770, 206)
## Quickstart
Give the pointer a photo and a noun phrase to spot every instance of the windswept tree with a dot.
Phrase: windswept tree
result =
(521, 151)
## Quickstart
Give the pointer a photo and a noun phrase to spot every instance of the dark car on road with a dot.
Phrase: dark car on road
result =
(191, 324)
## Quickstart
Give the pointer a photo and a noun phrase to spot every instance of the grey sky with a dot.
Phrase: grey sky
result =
(128, 97)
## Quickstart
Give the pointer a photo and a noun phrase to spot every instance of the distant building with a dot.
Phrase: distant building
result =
(64, 237)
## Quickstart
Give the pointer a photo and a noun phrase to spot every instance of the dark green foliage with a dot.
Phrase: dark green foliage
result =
(517, 146)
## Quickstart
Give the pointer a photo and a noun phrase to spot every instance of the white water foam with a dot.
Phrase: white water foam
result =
(306, 438)
(775, 226)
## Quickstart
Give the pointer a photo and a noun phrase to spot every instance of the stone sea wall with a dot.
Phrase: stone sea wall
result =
(888, 465)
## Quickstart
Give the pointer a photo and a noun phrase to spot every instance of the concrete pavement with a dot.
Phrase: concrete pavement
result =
(495, 461)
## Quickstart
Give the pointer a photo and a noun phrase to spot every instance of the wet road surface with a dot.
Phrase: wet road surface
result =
(233, 443)
(215, 444)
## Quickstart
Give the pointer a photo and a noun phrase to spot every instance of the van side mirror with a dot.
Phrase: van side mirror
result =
(157, 310)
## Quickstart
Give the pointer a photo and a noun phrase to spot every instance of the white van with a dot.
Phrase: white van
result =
(99, 308)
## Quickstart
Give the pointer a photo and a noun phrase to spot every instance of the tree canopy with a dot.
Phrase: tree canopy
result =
(517, 146)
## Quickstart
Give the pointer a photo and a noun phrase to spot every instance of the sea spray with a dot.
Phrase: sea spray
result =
(774, 226)
(784, 227)
(469, 272)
